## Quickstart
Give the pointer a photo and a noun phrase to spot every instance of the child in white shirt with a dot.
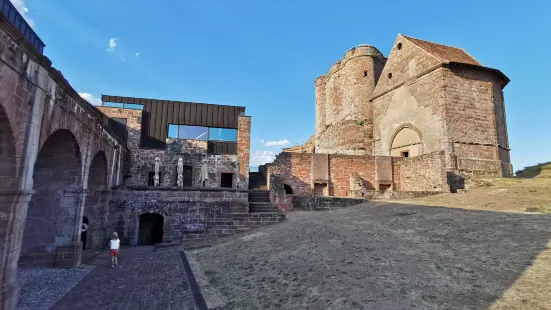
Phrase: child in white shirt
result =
(114, 245)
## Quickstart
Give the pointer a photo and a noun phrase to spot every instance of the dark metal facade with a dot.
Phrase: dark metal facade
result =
(158, 114)
(11, 13)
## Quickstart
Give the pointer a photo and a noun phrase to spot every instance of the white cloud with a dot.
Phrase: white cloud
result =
(23, 10)
(123, 59)
(90, 98)
(261, 157)
(137, 54)
(283, 142)
(112, 44)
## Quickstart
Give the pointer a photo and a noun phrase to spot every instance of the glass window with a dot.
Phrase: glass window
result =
(193, 132)
(172, 131)
(133, 106)
(112, 104)
(222, 134)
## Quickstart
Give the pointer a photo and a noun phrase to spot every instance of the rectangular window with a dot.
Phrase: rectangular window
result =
(120, 120)
(173, 131)
(222, 134)
(188, 132)
(132, 106)
(112, 104)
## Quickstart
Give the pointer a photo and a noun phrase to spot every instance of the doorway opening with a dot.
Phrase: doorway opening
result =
(226, 180)
(84, 232)
(150, 229)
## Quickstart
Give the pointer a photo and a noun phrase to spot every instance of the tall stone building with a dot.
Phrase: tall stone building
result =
(426, 119)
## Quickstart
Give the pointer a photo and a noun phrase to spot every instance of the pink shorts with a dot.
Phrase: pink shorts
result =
(114, 253)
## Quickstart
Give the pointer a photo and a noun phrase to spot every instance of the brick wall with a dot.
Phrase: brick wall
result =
(295, 169)
(343, 167)
(420, 173)
(184, 210)
(244, 148)
(342, 102)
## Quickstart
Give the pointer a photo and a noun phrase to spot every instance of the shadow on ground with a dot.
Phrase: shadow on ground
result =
(375, 256)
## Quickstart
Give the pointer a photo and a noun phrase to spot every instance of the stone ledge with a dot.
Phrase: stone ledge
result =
(180, 189)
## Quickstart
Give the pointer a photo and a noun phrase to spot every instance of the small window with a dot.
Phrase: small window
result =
(365, 73)
(222, 134)
(151, 179)
(399, 46)
(121, 121)
(405, 154)
(226, 180)
(389, 76)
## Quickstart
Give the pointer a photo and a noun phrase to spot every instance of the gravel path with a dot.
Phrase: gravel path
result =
(375, 256)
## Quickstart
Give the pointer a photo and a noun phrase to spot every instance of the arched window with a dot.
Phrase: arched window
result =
(406, 143)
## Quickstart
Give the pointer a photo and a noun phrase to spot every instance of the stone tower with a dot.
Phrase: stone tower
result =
(344, 115)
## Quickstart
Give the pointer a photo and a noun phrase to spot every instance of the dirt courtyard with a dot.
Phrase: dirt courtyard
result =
(383, 256)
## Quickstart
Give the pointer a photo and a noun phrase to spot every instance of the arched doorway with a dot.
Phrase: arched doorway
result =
(53, 209)
(406, 143)
(150, 229)
(84, 233)
(95, 208)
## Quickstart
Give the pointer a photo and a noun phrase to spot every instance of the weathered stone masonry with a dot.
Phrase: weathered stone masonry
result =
(426, 120)
(56, 153)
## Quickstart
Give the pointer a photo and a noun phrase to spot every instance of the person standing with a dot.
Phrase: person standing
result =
(114, 245)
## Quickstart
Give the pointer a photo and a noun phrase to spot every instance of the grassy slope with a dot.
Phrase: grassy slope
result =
(529, 191)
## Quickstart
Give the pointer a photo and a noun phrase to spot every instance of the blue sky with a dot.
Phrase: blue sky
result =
(265, 55)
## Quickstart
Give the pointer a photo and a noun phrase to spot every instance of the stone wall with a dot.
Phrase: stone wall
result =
(141, 161)
(317, 203)
(49, 137)
(343, 111)
(184, 210)
(425, 173)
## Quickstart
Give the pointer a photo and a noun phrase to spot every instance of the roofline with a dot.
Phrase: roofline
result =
(448, 46)
(136, 100)
(503, 77)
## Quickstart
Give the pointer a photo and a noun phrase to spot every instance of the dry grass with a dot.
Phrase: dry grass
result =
(530, 191)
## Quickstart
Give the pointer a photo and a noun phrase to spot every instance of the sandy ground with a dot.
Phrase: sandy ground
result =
(384, 256)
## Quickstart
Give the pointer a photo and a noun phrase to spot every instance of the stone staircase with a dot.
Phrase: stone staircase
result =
(259, 196)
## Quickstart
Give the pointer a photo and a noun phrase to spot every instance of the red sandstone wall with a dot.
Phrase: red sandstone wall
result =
(421, 173)
(342, 102)
(342, 167)
(476, 120)
(294, 169)
(244, 147)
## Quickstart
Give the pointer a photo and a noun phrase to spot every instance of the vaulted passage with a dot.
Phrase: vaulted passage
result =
(52, 216)
(95, 209)
(151, 229)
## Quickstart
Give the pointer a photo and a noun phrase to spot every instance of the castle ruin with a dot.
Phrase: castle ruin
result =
(427, 119)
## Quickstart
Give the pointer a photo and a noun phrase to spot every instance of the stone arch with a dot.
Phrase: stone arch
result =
(288, 189)
(95, 208)
(407, 141)
(53, 213)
